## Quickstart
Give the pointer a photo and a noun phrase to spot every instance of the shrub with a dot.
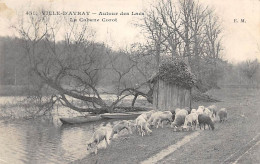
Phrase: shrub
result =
(177, 73)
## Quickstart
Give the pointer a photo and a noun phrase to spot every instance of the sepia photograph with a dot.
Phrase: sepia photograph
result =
(129, 82)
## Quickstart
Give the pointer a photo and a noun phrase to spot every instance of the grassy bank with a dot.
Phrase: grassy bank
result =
(209, 147)
(230, 137)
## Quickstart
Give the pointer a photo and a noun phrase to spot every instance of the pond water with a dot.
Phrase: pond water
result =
(44, 140)
(38, 141)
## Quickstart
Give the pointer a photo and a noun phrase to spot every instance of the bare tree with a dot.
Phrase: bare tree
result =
(189, 31)
(73, 65)
(70, 66)
(213, 36)
(153, 29)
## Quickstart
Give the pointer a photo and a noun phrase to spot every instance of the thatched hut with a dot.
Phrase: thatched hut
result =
(172, 86)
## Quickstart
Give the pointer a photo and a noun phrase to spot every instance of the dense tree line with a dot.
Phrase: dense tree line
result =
(242, 74)
(15, 66)
(13, 63)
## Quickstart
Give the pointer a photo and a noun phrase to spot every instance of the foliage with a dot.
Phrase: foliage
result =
(250, 68)
(245, 73)
(210, 75)
(177, 73)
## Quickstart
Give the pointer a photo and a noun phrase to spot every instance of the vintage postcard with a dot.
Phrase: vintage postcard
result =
(140, 81)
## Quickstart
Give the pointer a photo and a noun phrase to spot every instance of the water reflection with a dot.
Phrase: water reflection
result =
(74, 139)
(38, 141)
(12, 147)
(43, 141)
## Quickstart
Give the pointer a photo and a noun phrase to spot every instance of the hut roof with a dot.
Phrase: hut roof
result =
(176, 73)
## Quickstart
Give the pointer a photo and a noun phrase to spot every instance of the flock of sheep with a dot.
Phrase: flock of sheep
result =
(179, 120)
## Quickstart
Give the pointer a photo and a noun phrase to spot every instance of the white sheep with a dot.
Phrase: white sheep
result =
(147, 115)
(193, 111)
(209, 113)
(159, 117)
(213, 109)
(200, 110)
(120, 126)
(177, 110)
(179, 118)
(192, 119)
(142, 125)
(153, 116)
(99, 135)
(131, 124)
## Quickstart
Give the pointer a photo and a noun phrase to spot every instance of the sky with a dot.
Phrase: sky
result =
(241, 41)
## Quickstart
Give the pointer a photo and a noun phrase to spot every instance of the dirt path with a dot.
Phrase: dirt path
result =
(250, 156)
(231, 139)
(234, 158)
(208, 147)
(165, 152)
